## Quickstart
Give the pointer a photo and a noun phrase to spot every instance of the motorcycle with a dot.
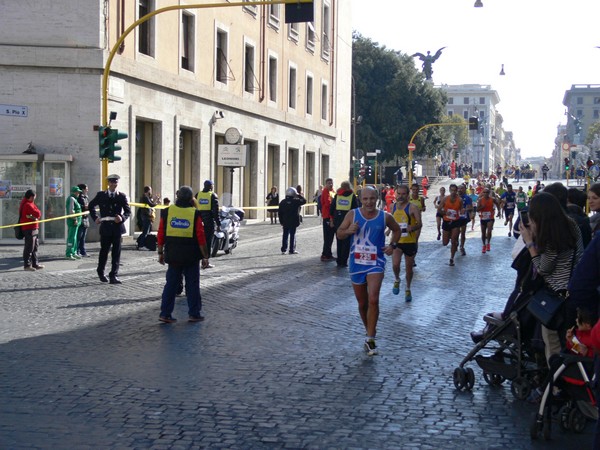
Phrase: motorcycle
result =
(227, 235)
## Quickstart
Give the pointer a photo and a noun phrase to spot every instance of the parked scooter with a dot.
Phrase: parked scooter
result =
(226, 237)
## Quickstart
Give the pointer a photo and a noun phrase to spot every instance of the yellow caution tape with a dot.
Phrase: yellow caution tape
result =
(45, 220)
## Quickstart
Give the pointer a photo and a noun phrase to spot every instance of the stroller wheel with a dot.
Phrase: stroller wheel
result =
(536, 427)
(576, 420)
(493, 379)
(563, 417)
(470, 378)
(460, 378)
(520, 388)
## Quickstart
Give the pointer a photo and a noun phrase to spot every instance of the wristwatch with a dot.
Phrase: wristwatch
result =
(394, 245)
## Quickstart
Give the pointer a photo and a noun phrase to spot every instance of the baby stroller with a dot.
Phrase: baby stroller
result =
(509, 348)
(575, 401)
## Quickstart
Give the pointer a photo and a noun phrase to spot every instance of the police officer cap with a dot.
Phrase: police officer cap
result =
(208, 183)
(185, 194)
(113, 177)
(291, 192)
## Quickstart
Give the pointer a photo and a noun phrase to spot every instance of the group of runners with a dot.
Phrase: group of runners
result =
(368, 227)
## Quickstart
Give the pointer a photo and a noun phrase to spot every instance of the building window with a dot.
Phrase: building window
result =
(250, 8)
(272, 78)
(292, 88)
(466, 101)
(324, 101)
(294, 31)
(274, 16)
(580, 100)
(187, 41)
(249, 75)
(146, 29)
(482, 100)
(451, 100)
(465, 114)
(325, 32)
(311, 36)
(579, 113)
(450, 113)
(596, 114)
(221, 65)
(309, 95)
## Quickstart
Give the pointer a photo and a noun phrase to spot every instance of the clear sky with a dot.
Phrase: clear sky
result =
(545, 45)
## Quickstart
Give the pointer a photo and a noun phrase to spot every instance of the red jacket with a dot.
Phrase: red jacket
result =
(585, 337)
(28, 208)
(326, 197)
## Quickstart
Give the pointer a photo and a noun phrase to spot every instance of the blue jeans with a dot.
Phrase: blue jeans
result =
(146, 227)
(291, 233)
(81, 234)
(192, 289)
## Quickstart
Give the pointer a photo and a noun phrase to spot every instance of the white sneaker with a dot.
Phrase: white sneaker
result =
(370, 347)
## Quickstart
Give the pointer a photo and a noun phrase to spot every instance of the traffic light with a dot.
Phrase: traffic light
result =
(103, 142)
(299, 12)
(414, 163)
(114, 137)
(567, 163)
(369, 170)
(473, 123)
(456, 155)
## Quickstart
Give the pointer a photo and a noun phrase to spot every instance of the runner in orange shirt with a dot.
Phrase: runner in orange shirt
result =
(485, 208)
(450, 207)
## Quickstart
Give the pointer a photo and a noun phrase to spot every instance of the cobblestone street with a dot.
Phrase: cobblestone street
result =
(278, 362)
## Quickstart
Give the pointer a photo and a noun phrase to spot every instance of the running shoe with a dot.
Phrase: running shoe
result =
(483, 249)
(451, 263)
(407, 296)
(487, 247)
(462, 251)
(509, 234)
(370, 347)
(439, 236)
(396, 288)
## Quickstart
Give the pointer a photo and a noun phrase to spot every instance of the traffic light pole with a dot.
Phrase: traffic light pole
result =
(412, 145)
(147, 17)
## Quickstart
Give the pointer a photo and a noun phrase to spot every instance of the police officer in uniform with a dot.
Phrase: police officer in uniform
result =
(208, 205)
(182, 245)
(114, 211)
(344, 201)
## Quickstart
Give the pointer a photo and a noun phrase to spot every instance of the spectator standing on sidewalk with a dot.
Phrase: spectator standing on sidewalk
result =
(344, 201)
(182, 245)
(366, 227)
(72, 206)
(84, 201)
(114, 211)
(289, 218)
(29, 212)
(328, 231)
(208, 205)
(273, 202)
(146, 215)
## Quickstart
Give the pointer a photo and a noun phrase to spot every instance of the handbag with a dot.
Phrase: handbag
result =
(548, 308)
(19, 229)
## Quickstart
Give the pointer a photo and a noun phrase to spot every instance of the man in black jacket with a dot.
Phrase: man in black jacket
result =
(208, 205)
(561, 193)
(289, 218)
(114, 211)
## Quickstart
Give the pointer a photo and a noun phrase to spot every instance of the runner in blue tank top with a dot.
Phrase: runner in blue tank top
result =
(366, 226)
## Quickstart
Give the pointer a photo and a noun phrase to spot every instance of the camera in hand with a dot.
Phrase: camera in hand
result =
(525, 218)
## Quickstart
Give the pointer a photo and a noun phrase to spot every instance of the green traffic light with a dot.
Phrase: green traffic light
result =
(113, 137)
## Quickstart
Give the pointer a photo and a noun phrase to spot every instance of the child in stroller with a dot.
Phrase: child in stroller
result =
(509, 340)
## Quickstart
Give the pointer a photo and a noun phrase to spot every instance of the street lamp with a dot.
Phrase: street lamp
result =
(356, 120)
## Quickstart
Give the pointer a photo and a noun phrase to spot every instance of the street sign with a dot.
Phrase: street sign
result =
(371, 154)
(566, 146)
(411, 147)
(231, 155)
(455, 146)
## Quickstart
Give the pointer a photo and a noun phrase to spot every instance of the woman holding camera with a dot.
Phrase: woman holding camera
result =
(555, 245)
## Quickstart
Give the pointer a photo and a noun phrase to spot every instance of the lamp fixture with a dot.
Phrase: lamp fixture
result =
(478, 4)
(502, 70)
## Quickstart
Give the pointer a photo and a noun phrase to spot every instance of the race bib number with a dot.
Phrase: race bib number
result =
(403, 229)
(486, 215)
(510, 205)
(451, 214)
(365, 255)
